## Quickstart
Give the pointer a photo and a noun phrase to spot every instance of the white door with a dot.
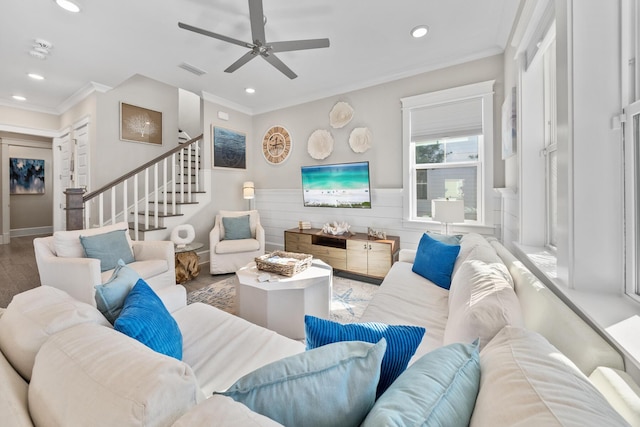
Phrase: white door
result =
(62, 154)
(81, 158)
(632, 198)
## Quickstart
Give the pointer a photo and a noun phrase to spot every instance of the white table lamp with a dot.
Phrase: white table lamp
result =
(447, 211)
(248, 191)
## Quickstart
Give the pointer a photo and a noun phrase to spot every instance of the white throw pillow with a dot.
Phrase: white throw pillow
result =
(481, 299)
(526, 381)
(33, 316)
(94, 376)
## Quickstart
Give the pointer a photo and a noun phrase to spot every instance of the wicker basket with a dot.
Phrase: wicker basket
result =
(295, 263)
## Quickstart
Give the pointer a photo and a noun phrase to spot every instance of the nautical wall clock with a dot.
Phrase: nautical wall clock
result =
(276, 145)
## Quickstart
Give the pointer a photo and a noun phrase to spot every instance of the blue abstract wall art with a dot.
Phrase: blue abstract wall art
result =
(26, 176)
(229, 148)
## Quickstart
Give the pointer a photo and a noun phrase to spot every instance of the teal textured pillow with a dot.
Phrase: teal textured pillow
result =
(439, 389)
(236, 228)
(435, 260)
(110, 295)
(145, 318)
(334, 385)
(108, 248)
(402, 342)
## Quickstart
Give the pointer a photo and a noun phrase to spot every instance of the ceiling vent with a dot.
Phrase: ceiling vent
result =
(192, 69)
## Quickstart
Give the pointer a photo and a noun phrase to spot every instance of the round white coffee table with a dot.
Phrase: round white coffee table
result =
(281, 305)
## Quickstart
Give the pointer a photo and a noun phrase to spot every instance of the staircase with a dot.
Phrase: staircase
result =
(154, 197)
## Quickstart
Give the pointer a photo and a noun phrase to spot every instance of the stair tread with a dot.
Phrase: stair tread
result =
(160, 202)
(142, 228)
(161, 215)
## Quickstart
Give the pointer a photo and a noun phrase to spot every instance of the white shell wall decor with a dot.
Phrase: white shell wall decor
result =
(320, 144)
(360, 139)
(340, 115)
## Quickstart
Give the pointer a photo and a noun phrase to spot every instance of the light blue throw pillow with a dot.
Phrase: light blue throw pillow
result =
(449, 239)
(145, 318)
(402, 342)
(334, 385)
(435, 260)
(439, 389)
(110, 295)
(108, 248)
(236, 228)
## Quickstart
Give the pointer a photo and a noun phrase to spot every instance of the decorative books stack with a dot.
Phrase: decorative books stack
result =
(304, 225)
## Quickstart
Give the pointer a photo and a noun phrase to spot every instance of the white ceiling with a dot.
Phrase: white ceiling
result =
(112, 40)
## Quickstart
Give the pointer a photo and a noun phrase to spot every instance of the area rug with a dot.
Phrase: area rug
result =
(350, 297)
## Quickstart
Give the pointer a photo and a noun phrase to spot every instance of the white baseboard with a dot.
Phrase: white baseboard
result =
(32, 231)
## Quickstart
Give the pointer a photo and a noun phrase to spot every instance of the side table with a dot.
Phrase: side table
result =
(187, 265)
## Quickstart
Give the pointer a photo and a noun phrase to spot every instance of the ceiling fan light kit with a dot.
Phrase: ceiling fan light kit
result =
(259, 45)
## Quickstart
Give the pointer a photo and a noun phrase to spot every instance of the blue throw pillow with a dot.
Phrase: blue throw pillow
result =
(439, 389)
(145, 318)
(110, 295)
(108, 248)
(435, 260)
(334, 385)
(236, 228)
(402, 342)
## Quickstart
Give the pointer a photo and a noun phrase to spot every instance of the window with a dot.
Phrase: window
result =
(448, 147)
(550, 143)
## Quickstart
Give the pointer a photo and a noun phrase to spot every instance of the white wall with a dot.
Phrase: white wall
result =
(378, 108)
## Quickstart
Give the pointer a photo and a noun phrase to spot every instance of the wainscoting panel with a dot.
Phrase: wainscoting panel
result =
(283, 209)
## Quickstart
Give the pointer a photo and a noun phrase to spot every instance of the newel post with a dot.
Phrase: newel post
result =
(75, 208)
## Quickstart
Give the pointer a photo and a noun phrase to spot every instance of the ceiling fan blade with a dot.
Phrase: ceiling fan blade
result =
(256, 15)
(240, 62)
(214, 35)
(276, 62)
(298, 45)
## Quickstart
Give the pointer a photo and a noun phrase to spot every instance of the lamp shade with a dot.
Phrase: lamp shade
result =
(447, 210)
(248, 190)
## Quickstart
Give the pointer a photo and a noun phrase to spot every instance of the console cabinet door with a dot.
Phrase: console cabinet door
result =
(379, 261)
(357, 257)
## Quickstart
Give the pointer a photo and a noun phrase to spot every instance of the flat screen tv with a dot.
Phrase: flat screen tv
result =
(344, 185)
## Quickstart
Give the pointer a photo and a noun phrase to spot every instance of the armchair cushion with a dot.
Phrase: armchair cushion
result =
(236, 246)
(254, 220)
(236, 228)
(108, 248)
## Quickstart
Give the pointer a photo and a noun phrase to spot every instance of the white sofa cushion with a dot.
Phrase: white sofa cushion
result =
(526, 381)
(221, 347)
(14, 406)
(481, 300)
(90, 375)
(33, 316)
(405, 298)
(226, 412)
(145, 269)
(67, 243)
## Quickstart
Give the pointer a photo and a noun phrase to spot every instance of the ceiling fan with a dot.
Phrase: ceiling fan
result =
(259, 46)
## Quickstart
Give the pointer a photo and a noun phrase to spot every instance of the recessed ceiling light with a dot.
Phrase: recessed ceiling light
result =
(19, 98)
(419, 31)
(250, 90)
(35, 76)
(68, 5)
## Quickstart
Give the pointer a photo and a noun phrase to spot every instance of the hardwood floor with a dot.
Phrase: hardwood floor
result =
(19, 272)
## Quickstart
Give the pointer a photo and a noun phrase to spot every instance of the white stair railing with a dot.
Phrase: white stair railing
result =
(178, 186)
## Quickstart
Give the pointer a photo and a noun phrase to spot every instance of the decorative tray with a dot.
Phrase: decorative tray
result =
(284, 263)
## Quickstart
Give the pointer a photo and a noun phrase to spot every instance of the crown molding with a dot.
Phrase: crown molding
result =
(81, 94)
(226, 103)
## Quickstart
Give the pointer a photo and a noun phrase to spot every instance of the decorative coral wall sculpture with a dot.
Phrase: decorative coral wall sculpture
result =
(360, 140)
(340, 115)
(320, 144)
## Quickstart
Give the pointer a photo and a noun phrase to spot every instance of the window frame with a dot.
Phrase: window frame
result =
(482, 90)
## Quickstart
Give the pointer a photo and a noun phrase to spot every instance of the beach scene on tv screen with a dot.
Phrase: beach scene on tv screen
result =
(338, 186)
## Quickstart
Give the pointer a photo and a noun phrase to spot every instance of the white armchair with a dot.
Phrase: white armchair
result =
(229, 255)
(62, 264)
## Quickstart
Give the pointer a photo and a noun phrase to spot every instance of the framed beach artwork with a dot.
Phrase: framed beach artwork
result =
(229, 148)
(139, 124)
(26, 176)
(509, 125)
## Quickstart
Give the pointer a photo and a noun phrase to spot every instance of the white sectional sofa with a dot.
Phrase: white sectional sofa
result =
(62, 364)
